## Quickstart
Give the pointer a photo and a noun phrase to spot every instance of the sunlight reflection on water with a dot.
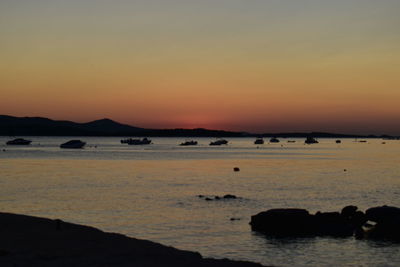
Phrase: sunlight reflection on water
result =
(151, 192)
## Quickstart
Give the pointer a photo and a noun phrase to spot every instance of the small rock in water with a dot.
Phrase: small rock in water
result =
(345, 170)
(235, 219)
(209, 198)
(229, 196)
(236, 169)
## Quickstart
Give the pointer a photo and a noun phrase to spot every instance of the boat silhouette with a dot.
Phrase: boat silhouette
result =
(311, 140)
(259, 141)
(73, 144)
(136, 142)
(19, 141)
(219, 142)
(189, 143)
(274, 140)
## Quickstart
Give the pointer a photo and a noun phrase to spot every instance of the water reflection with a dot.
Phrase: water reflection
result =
(152, 194)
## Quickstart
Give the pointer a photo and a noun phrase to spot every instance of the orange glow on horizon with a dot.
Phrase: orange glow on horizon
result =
(264, 67)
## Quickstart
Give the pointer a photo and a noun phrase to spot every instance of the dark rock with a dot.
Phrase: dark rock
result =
(58, 224)
(359, 233)
(389, 230)
(298, 222)
(358, 219)
(383, 214)
(235, 219)
(283, 222)
(355, 218)
(349, 211)
(387, 223)
(236, 169)
(227, 196)
(332, 224)
(33, 241)
(4, 253)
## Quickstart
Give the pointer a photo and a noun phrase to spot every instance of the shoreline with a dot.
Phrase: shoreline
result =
(35, 241)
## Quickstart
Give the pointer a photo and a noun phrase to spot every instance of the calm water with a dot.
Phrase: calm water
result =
(150, 192)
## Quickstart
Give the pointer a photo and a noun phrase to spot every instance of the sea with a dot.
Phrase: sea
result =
(151, 192)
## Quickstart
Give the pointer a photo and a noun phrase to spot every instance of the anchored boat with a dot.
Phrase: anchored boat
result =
(19, 141)
(73, 144)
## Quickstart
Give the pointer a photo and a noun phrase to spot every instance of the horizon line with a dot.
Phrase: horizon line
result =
(202, 128)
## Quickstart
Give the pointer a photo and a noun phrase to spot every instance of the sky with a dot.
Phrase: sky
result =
(242, 65)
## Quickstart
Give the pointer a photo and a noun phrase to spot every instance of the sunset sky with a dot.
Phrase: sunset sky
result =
(243, 65)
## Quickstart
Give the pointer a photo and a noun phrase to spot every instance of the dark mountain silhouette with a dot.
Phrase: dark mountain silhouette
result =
(110, 127)
(37, 126)
(42, 126)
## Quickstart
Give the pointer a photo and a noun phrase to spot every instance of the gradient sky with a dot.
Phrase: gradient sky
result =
(246, 65)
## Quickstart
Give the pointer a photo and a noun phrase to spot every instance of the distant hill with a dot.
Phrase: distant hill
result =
(14, 126)
(37, 126)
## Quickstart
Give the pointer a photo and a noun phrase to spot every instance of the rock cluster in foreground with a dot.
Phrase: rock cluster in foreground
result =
(376, 223)
(33, 241)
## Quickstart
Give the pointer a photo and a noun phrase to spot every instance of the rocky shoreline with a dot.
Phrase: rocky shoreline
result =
(33, 241)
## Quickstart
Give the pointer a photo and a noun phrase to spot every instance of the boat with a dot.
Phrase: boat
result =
(19, 141)
(219, 142)
(338, 141)
(259, 141)
(189, 143)
(136, 142)
(291, 141)
(311, 140)
(274, 140)
(391, 138)
(73, 144)
(125, 141)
